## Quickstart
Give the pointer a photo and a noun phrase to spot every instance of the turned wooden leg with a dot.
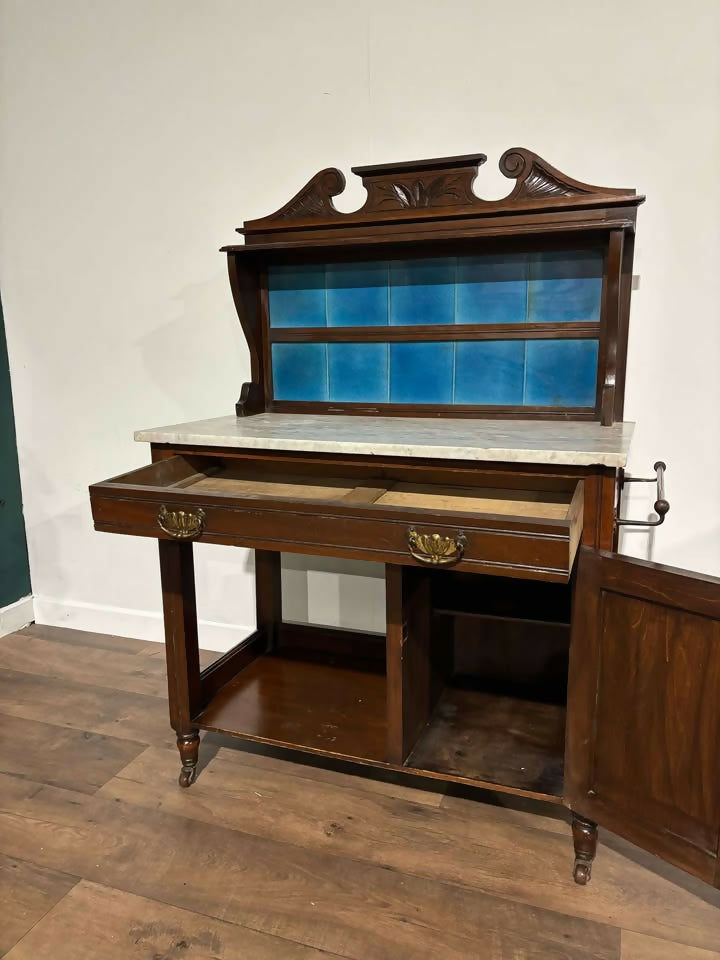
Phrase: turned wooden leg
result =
(188, 745)
(181, 648)
(585, 834)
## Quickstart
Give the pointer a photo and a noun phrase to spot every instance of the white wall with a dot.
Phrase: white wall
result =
(137, 135)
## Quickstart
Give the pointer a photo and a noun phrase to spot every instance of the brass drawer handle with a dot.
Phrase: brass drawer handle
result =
(181, 524)
(433, 549)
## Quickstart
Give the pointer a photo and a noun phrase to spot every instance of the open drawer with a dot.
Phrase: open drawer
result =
(512, 532)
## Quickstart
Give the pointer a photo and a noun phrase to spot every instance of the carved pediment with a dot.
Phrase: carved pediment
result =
(431, 189)
(420, 184)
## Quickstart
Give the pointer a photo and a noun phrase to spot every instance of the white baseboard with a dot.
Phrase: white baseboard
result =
(124, 622)
(16, 616)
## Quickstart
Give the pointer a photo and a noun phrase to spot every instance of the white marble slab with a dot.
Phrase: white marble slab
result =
(516, 441)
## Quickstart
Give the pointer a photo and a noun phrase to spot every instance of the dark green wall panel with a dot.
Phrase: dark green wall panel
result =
(14, 568)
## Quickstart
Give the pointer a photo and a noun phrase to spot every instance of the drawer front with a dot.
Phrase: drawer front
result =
(540, 551)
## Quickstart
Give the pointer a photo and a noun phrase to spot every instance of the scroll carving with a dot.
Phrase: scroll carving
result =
(434, 188)
(315, 198)
(537, 178)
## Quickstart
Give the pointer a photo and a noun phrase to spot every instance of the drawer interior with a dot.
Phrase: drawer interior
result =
(237, 482)
(217, 476)
(518, 503)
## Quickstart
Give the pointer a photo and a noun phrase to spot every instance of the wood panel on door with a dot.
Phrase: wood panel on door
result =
(643, 744)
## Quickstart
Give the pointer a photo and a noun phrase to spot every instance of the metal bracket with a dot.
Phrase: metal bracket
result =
(661, 505)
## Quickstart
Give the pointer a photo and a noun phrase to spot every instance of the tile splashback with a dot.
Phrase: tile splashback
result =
(552, 287)
(422, 291)
(300, 371)
(357, 294)
(421, 372)
(558, 287)
(297, 296)
(358, 372)
(546, 373)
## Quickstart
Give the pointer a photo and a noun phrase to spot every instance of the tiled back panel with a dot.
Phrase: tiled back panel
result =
(546, 373)
(532, 288)
(529, 288)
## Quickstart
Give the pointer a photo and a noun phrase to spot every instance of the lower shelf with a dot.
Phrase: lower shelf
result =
(336, 708)
(506, 742)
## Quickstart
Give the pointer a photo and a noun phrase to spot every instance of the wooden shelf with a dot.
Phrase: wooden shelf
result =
(505, 742)
(333, 707)
(509, 599)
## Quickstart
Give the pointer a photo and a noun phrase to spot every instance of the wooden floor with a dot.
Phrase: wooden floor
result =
(103, 857)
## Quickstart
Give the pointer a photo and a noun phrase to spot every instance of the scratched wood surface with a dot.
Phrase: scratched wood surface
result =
(102, 856)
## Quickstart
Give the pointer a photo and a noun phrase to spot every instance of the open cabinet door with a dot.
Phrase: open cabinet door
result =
(643, 734)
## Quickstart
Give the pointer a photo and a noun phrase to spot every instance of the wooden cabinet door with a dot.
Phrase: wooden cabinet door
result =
(643, 721)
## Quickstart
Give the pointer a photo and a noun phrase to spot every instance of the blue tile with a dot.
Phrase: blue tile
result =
(422, 291)
(561, 373)
(490, 372)
(492, 289)
(300, 371)
(358, 372)
(297, 296)
(357, 294)
(421, 372)
(565, 287)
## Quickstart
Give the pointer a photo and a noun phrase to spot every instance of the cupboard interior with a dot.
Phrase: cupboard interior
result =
(494, 693)
(499, 718)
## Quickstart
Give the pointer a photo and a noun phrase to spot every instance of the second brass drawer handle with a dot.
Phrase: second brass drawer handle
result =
(181, 524)
(433, 549)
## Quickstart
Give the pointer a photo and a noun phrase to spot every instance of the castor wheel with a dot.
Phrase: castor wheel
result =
(582, 872)
(187, 776)
(585, 833)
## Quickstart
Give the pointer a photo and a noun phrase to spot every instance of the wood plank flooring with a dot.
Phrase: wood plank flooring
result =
(103, 856)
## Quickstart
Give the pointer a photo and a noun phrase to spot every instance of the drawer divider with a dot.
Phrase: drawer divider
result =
(366, 493)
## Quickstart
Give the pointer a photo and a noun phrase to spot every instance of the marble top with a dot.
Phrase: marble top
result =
(519, 441)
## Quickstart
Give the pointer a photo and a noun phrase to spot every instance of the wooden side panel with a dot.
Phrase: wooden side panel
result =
(644, 707)
(611, 324)
(249, 297)
(226, 667)
(599, 510)
(624, 322)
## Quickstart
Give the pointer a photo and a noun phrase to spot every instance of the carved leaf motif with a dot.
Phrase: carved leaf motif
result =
(540, 183)
(441, 191)
(403, 194)
(441, 188)
(453, 189)
(310, 205)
